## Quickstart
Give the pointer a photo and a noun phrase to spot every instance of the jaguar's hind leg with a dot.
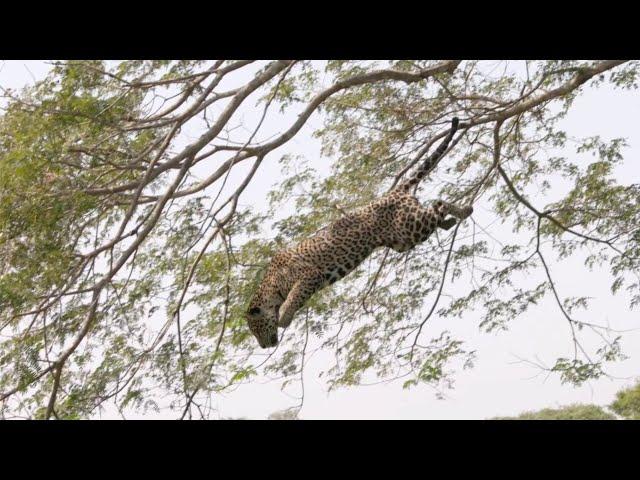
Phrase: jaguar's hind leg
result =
(447, 224)
(443, 208)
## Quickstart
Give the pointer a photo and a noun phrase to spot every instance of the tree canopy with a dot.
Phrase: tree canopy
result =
(627, 403)
(129, 249)
(626, 406)
(570, 412)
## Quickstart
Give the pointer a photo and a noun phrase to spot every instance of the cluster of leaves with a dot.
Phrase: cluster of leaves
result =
(626, 406)
(570, 412)
(627, 403)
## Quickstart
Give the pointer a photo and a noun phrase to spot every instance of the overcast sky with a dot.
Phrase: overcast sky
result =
(497, 385)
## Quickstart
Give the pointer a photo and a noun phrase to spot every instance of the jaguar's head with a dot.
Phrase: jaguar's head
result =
(263, 323)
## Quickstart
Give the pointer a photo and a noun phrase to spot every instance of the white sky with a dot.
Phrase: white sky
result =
(496, 386)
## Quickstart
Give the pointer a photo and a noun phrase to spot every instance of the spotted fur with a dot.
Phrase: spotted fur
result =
(396, 220)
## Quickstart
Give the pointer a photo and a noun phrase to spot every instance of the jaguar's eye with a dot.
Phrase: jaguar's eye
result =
(254, 311)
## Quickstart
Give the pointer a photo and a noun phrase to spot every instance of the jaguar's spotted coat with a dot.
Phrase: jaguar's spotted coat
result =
(396, 220)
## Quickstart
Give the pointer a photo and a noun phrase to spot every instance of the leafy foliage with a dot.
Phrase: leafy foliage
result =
(570, 412)
(626, 406)
(128, 250)
(627, 403)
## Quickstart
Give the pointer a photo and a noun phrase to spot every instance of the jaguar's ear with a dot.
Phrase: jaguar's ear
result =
(254, 311)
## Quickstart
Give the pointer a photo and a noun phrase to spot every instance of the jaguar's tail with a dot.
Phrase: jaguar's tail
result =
(432, 160)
